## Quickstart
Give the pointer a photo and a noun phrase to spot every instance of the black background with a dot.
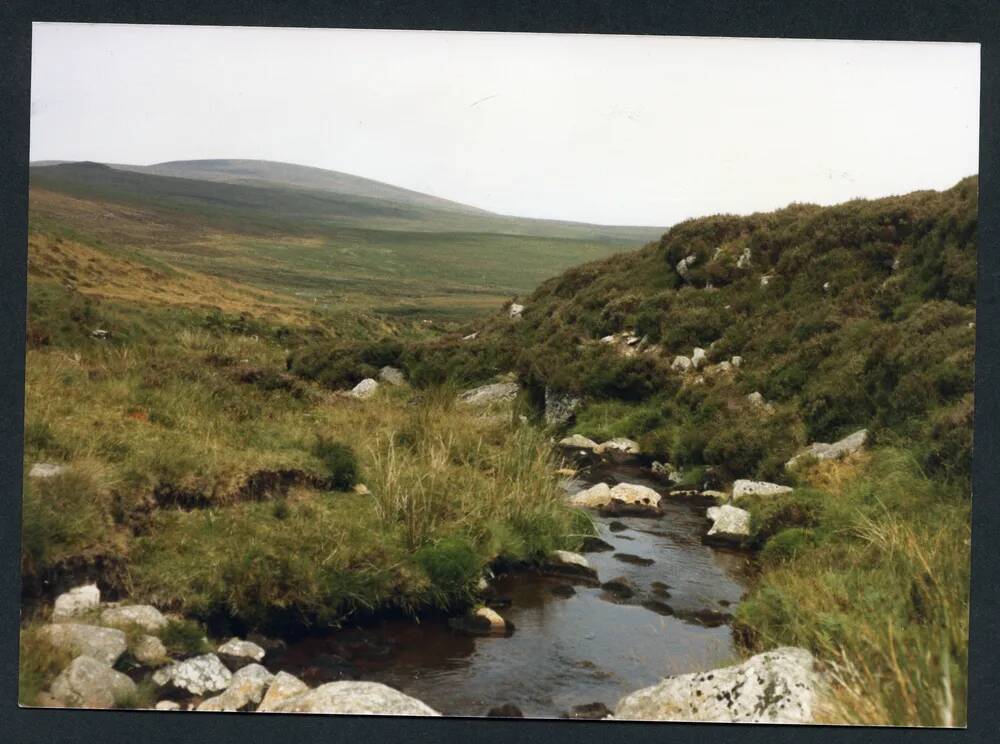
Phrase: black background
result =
(975, 21)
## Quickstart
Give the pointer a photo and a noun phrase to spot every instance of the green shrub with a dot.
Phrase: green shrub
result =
(340, 464)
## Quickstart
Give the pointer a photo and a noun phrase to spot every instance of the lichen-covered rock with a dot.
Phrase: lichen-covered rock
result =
(560, 407)
(594, 497)
(392, 375)
(284, 686)
(76, 601)
(822, 451)
(89, 683)
(780, 686)
(743, 488)
(364, 389)
(149, 650)
(619, 446)
(240, 649)
(729, 524)
(103, 644)
(198, 675)
(146, 617)
(684, 264)
(498, 392)
(246, 688)
(355, 698)
(681, 364)
(578, 442)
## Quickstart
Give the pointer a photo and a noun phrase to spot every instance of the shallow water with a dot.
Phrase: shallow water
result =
(565, 651)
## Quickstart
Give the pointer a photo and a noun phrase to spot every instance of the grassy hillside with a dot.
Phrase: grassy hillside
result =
(856, 316)
(408, 257)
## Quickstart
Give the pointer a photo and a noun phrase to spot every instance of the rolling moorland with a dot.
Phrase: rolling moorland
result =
(209, 451)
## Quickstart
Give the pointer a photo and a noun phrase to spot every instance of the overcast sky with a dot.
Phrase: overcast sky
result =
(609, 129)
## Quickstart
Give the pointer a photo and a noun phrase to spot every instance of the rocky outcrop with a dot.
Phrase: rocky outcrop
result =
(283, 687)
(498, 392)
(89, 683)
(364, 389)
(780, 686)
(729, 524)
(560, 407)
(355, 698)
(43, 470)
(104, 644)
(578, 442)
(821, 451)
(246, 688)
(392, 375)
(146, 617)
(76, 601)
(198, 675)
(743, 488)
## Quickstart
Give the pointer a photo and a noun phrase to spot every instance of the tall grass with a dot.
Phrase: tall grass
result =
(879, 591)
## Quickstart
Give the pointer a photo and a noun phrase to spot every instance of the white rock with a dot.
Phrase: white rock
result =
(149, 650)
(841, 448)
(76, 601)
(826, 286)
(470, 337)
(594, 497)
(578, 442)
(364, 389)
(481, 621)
(684, 264)
(609, 339)
(736, 361)
(241, 649)
(619, 445)
(355, 698)
(392, 375)
(568, 558)
(515, 310)
(89, 683)
(197, 675)
(723, 367)
(498, 392)
(361, 489)
(728, 523)
(246, 687)
(766, 279)
(780, 686)
(699, 358)
(103, 644)
(681, 364)
(283, 687)
(744, 487)
(633, 493)
(744, 260)
(146, 617)
(756, 399)
(167, 705)
(42, 470)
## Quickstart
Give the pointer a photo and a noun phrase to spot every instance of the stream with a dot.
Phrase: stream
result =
(566, 651)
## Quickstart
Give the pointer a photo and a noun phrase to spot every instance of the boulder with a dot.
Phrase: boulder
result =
(355, 698)
(364, 389)
(621, 587)
(681, 364)
(167, 705)
(246, 688)
(361, 489)
(841, 448)
(743, 488)
(592, 544)
(392, 375)
(284, 686)
(633, 493)
(76, 601)
(594, 497)
(699, 358)
(198, 675)
(560, 407)
(618, 446)
(684, 264)
(515, 310)
(89, 683)
(146, 617)
(482, 621)
(724, 367)
(578, 442)
(780, 686)
(498, 392)
(42, 470)
(729, 524)
(566, 563)
(103, 644)
(149, 650)
(736, 362)
(745, 258)
(756, 399)
(100, 333)
(240, 649)
(668, 471)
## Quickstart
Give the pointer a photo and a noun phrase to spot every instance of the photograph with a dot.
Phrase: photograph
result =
(499, 375)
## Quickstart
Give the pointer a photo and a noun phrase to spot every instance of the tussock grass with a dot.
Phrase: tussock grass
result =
(876, 584)
(40, 663)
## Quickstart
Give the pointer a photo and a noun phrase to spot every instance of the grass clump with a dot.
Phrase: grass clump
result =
(40, 662)
(184, 637)
(340, 465)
